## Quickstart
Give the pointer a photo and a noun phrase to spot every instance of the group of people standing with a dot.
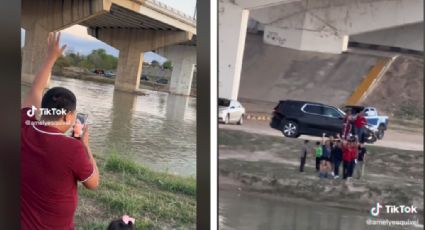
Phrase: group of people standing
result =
(347, 149)
(333, 152)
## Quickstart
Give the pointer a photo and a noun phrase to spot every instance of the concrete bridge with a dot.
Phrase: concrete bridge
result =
(131, 26)
(320, 25)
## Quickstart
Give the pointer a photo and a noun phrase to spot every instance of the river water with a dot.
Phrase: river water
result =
(241, 210)
(157, 130)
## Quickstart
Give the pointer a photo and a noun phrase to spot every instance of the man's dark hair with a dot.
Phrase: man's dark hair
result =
(317, 142)
(58, 98)
(120, 225)
(305, 141)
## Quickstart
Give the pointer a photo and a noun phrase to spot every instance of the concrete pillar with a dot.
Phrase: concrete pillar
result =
(129, 69)
(233, 23)
(44, 16)
(34, 51)
(132, 43)
(183, 58)
(181, 77)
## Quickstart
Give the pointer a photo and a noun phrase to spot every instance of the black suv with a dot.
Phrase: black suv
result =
(295, 118)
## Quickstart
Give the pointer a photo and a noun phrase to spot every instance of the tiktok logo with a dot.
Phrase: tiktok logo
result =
(375, 210)
(31, 112)
(43, 111)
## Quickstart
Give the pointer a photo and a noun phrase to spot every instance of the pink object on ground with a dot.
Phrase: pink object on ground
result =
(126, 219)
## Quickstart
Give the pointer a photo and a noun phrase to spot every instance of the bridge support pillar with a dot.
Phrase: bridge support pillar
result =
(132, 43)
(183, 58)
(129, 69)
(233, 23)
(41, 17)
(33, 52)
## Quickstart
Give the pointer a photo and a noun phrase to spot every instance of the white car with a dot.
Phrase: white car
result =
(230, 111)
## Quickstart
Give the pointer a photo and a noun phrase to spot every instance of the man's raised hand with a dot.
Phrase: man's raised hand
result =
(54, 51)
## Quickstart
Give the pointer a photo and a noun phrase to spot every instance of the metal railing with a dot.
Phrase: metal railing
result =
(171, 10)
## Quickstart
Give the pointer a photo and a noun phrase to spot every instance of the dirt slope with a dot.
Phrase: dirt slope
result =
(400, 91)
(271, 73)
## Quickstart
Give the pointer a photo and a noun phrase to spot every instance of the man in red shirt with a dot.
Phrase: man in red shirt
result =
(359, 125)
(51, 162)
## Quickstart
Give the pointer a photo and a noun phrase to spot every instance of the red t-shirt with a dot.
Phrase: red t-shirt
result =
(349, 153)
(51, 165)
(360, 121)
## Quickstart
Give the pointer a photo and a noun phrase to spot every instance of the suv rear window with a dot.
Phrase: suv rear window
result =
(316, 109)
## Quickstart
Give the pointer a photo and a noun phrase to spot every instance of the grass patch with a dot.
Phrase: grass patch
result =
(156, 200)
(164, 181)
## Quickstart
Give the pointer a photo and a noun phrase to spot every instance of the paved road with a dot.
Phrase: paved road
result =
(397, 139)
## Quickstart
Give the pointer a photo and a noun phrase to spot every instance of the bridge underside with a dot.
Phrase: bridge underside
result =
(320, 25)
(131, 27)
(302, 25)
(123, 18)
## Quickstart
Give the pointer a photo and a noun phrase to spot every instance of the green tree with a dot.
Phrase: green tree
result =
(96, 59)
(167, 65)
(100, 59)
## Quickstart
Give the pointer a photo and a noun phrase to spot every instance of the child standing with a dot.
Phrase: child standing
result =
(349, 156)
(318, 150)
(326, 168)
(337, 157)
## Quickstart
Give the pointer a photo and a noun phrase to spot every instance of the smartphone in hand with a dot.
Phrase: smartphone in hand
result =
(80, 122)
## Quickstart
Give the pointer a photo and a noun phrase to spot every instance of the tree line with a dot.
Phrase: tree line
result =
(97, 59)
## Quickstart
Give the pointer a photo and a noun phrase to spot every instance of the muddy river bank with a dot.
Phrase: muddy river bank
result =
(268, 166)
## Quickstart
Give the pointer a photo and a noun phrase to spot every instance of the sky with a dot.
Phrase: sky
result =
(78, 40)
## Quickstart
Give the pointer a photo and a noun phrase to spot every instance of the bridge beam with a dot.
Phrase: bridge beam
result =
(302, 25)
(233, 24)
(132, 43)
(183, 58)
(41, 17)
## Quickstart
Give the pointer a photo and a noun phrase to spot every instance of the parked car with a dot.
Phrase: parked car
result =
(109, 74)
(294, 118)
(378, 123)
(145, 78)
(162, 81)
(230, 111)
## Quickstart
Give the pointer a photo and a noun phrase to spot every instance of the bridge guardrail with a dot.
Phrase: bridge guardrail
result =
(175, 12)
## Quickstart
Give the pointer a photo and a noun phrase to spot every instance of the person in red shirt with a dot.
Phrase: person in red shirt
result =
(346, 129)
(359, 124)
(51, 162)
(349, 155)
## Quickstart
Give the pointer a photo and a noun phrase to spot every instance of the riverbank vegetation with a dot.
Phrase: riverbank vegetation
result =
(157, 200)
(98, 58)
